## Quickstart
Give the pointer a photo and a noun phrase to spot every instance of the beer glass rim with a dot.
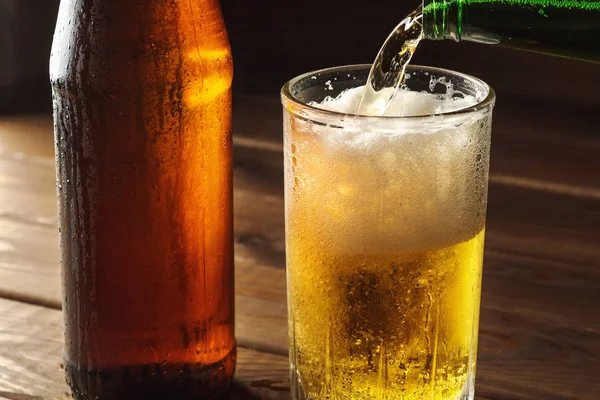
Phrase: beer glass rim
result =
(486, 103)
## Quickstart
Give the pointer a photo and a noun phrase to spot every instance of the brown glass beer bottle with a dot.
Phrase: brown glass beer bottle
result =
(142, 110)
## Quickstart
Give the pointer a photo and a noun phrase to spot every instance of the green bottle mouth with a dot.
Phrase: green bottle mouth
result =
(442, 19)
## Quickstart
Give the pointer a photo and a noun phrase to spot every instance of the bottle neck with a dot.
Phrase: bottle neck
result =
(447, 19)
(557, 27)
(442, 19)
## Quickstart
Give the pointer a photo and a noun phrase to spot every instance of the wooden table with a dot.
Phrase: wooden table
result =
(540, 318)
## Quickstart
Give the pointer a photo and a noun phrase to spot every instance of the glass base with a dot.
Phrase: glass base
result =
(298, 392)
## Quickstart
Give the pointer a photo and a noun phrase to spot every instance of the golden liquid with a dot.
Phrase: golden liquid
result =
(384, 244)
(383, 326)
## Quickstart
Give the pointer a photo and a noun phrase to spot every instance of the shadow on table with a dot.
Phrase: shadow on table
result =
(260, 389)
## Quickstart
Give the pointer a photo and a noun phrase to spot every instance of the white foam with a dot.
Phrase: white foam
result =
(388, 185)
(405, 103)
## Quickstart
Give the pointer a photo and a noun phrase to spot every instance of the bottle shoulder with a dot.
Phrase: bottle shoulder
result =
(115, 43)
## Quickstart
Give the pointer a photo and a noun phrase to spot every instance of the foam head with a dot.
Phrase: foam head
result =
(405, 103)
(390, 184)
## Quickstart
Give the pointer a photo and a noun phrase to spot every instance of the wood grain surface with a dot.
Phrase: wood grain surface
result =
(540, 321)
(31, 359)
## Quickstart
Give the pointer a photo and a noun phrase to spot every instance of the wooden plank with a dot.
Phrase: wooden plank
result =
(551, 146)
(561, 293)
(29, 135)
(529, 223)
(258, 167)
(523, 355)
(541, 269)
(544, 225)
(30, 350)
(537, 140)
(31, 356)
(537, 315)
(28, 228)
(527, 354)
(258, 224)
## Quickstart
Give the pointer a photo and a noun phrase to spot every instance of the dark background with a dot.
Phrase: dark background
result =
(273, 41)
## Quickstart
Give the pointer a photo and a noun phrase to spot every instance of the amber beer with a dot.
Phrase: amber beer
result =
(385, 222)
(144, 176)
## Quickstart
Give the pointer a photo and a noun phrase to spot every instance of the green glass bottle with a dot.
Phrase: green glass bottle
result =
(567, 28)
